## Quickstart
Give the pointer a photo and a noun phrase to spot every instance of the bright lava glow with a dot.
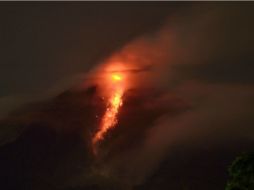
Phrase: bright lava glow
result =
(109, 119)
(116, 77)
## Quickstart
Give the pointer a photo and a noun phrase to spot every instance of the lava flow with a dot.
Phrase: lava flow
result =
(115, 101)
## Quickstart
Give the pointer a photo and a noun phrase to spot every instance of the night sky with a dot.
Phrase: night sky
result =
(187, 113)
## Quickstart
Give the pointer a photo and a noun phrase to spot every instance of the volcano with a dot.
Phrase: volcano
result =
(56, 136)
(53, 149)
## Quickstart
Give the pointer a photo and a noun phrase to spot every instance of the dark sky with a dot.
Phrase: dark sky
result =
(187, 116)
(45, 45)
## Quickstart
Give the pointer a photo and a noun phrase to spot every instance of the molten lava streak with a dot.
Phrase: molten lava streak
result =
(109, 119)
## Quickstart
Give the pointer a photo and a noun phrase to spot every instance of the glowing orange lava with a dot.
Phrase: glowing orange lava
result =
(116, 77)
(109, 119)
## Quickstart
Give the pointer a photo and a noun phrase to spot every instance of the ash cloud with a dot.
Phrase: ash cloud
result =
(202, 58)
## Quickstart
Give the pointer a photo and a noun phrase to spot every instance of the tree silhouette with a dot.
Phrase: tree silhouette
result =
(241, 173)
